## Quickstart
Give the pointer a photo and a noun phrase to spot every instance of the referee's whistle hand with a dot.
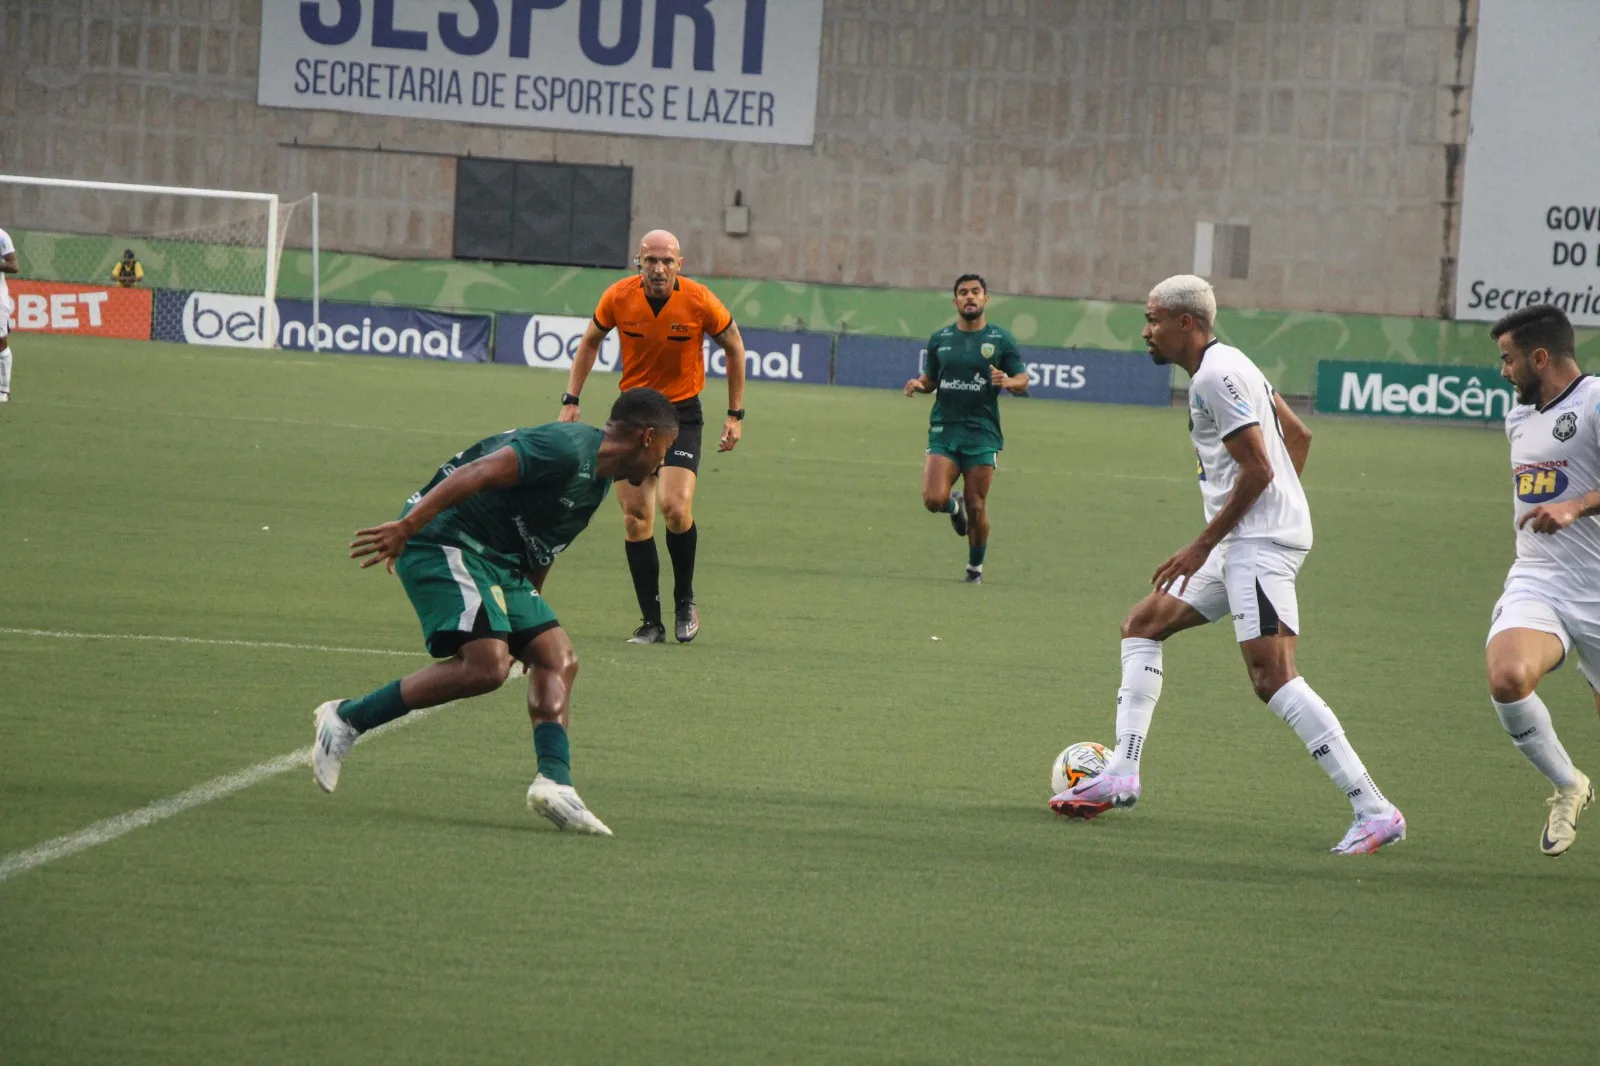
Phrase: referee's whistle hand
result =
(731, 428)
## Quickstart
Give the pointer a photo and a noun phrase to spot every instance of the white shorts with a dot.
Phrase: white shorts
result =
(5, 316)
(1529, 603)
(1253, 580)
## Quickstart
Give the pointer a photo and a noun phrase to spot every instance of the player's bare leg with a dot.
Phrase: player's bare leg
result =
(552, 669)
(939, 474)
(1517, 660)
(1270, 663)
(1151, 621)
(975, 483)
(675, 495)
(479, 666)
(644, 564)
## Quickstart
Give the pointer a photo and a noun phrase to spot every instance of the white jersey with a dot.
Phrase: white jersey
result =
(6, 248)
(1555, 457)
(1228, 393)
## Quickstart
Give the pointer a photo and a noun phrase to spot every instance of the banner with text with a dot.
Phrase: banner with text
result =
(55, 307)
(1408, 390)
(1531, 234)
(370, 330)
(1085, 374)
(550, 341)
(735, 70)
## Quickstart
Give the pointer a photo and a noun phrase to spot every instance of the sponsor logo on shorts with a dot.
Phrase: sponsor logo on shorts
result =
(682, 454)
(1540, 483)
(1566, 426)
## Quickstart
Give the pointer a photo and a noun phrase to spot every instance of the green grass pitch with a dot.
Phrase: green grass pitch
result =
(832, 842)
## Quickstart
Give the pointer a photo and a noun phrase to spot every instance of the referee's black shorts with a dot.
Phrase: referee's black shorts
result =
(685, 451)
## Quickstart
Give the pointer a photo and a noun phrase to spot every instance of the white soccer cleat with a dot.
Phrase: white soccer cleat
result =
(560, 804)
(1561, 828)
(1367, 835)
(333, 740)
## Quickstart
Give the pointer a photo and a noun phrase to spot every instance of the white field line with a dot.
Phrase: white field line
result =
(60, 635)
(119, 825)
(122, 824)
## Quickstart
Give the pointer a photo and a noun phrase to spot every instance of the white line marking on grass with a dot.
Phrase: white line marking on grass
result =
(110, 829)
(205, 640)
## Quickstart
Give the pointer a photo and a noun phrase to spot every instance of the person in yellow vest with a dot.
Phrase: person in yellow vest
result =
(128, 272)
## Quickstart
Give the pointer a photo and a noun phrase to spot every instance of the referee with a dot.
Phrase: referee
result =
(663, 319)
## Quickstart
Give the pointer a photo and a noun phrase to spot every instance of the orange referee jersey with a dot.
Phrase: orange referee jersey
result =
(663, 349)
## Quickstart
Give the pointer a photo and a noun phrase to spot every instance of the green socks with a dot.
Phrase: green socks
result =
(550, 745)
(375, 708)
(975, 555)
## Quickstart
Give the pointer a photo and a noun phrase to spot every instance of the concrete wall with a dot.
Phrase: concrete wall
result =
(1062, 147)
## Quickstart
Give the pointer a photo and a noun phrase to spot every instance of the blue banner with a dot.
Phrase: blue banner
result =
(1087, 374)
(550, 341)
(372, 330)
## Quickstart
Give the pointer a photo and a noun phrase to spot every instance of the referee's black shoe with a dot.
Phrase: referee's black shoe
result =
(649, 633)
(958, 517)
(688, 621)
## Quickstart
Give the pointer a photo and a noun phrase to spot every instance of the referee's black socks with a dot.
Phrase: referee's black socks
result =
(681, 547)
(645, 566)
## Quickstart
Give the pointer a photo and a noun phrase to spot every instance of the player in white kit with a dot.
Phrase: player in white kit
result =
(8, 265)
(1251, 448)
(1551, 602)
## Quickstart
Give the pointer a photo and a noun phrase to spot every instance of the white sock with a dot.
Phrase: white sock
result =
(5, 369)
(1318, 728)
(1528, 722)
(1136, 701)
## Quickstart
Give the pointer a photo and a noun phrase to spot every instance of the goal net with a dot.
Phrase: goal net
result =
(204, 267)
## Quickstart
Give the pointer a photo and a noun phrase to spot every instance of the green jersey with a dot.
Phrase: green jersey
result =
(525, 526)
(958, 363)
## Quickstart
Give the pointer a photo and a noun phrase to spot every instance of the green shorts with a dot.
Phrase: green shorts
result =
(961, 446)
(460, 596)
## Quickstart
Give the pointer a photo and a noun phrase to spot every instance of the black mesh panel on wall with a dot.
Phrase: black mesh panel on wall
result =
(599, 229)
(543, 212)
(483, 209)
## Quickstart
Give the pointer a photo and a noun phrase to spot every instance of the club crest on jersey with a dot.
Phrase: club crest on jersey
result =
(1539, 484)
(1566, 426)
(987, 350)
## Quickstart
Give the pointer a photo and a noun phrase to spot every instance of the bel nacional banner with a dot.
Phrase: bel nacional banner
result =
(1530, 210)
(734, 70)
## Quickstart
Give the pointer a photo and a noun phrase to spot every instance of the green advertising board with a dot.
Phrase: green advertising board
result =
(1409, 390)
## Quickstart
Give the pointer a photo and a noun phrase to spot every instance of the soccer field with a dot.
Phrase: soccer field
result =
(832, 841)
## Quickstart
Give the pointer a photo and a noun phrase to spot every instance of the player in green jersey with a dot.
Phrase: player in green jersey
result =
(966, 365)
(472, 549)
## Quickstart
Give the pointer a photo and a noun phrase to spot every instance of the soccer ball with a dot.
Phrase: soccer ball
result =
(1077, 764)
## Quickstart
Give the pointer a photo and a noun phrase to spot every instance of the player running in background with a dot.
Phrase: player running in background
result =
(472, 549)
(1251, 449)
(663, 319)
(965, 366)
(1551, 601)
(8, 265)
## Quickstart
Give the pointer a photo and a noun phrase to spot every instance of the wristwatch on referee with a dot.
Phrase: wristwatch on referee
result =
(736, 412)
(568, 400)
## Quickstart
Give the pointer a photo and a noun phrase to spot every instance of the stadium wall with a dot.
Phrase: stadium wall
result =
(1066, 148)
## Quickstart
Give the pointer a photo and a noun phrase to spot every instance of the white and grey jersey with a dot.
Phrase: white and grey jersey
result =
(1555, 457)
(6, 248)
(1227, 394)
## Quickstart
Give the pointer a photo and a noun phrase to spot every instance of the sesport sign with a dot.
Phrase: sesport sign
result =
(1407, 390)
(1531, 233)
(735, 70)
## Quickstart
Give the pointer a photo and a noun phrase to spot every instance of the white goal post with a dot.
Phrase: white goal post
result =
(209, 242)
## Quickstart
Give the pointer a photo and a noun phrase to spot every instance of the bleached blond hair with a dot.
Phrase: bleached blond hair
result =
(1187, 294)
